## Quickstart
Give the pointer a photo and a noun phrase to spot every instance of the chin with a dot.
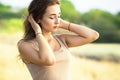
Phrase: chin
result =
(55, 30)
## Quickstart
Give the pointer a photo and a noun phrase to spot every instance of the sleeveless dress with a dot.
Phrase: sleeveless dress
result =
(61, 70)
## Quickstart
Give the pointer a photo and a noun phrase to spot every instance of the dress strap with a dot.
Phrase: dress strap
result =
(61, 41)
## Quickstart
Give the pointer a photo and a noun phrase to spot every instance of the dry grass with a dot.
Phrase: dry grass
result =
(11, 68)
(92, 70)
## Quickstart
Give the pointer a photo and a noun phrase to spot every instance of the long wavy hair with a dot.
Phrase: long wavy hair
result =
(37, 8)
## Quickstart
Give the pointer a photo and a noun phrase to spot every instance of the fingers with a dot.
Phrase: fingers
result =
(30, 19)
(34, 24)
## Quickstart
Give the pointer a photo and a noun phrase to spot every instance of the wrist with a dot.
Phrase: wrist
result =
(37, 33)
(64, 24)
(69, 25)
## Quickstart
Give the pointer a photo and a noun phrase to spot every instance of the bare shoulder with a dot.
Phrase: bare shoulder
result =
(23, 46)
(22, 43)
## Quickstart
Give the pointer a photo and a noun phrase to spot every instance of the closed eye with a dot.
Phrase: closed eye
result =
(51, 17)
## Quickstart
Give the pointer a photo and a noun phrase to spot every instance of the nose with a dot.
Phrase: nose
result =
(57, 20)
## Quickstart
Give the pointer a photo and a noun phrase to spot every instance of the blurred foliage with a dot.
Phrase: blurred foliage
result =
(11, 25)
(4, 7)
(107, 24)
(6, 12)
(69, 12)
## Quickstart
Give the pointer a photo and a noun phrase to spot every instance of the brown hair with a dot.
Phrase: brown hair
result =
(37, 8)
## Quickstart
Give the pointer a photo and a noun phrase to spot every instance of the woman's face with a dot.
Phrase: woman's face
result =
(51, 19)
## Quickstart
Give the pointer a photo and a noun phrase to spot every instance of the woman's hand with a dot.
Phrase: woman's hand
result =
(64, 24)
(36, 27)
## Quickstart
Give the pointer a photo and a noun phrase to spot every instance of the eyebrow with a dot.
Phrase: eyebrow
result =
(54, 14)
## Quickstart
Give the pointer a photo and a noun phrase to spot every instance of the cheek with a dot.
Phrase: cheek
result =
(46, 23)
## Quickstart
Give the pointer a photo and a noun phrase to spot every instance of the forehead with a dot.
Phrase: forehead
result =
(54, 9)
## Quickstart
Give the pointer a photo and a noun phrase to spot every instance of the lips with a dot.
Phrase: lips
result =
(56, 27)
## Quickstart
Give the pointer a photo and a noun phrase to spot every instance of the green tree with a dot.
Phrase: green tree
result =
(6, 12)
(117, 20)
(69, 12)
(4, 7)
(104, 23)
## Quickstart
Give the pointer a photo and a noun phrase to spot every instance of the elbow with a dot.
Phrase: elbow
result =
(48, 61)
(97, 35)
(94, 36)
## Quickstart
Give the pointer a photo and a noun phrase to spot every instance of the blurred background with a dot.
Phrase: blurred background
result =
(96, 61)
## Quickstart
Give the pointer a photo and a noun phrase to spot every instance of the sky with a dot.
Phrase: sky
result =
(112, 6)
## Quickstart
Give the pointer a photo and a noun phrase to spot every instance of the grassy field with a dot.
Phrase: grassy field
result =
(12, 68)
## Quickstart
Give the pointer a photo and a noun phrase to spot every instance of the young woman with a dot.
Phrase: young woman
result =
(47, 56)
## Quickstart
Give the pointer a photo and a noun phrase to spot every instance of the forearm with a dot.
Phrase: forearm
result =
(80, 30)
(45, 51)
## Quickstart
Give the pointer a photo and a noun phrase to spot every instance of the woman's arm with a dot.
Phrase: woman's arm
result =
(84, 34)
(45, 55)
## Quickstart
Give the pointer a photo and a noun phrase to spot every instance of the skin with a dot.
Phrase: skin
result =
(47, 44)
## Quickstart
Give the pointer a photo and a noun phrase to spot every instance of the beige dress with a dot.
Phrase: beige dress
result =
(61, 70)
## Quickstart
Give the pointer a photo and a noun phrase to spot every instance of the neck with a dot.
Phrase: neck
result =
(48, 36)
